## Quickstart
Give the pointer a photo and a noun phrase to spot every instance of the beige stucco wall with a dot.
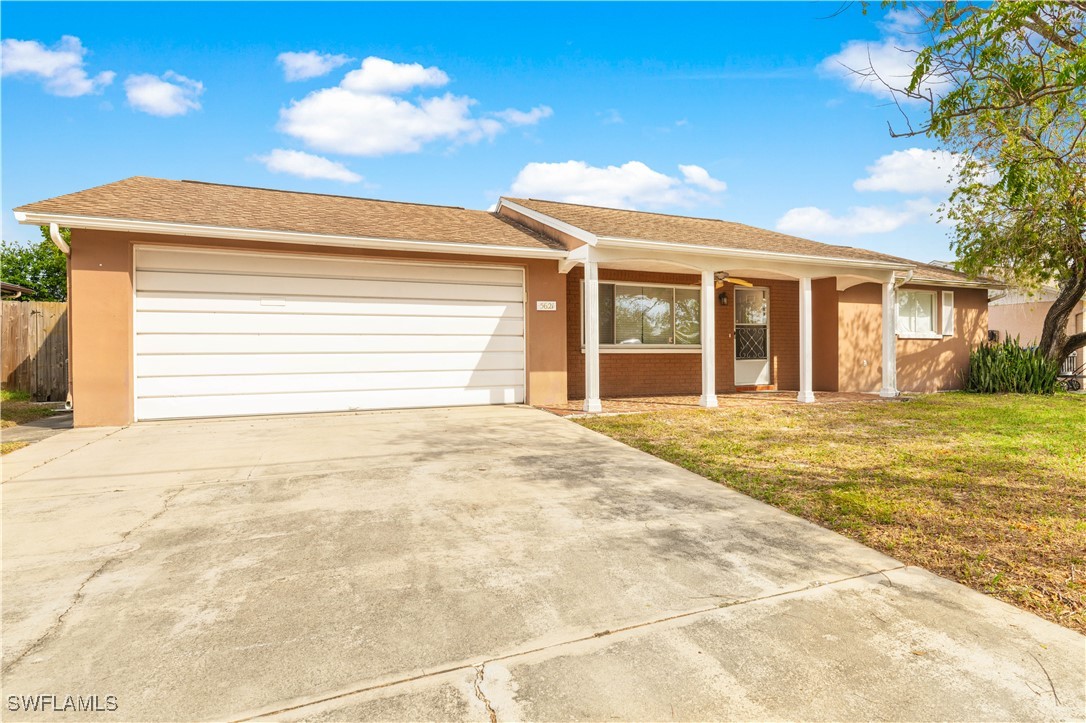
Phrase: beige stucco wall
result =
(101, 313)
(923, 365)
(101, 318)
(1026, 319)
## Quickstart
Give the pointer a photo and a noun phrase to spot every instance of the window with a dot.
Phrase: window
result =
(656, 316)
(916, 314)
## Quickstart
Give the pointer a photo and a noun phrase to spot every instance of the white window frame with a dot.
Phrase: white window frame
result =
(946, 313)
(936, 312)
(645, 348)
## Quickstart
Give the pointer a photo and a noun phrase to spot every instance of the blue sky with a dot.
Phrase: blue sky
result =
(737, 111)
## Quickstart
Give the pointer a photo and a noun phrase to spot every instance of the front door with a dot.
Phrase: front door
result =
(751, 336)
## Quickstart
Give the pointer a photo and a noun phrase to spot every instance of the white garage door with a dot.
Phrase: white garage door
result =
(223, 334)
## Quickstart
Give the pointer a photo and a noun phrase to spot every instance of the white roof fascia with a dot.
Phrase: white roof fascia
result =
(566, 228)
(618, 242)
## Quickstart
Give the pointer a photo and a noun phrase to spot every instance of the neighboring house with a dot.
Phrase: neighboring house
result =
(195, 299)
(13, 291)
(1021, 314)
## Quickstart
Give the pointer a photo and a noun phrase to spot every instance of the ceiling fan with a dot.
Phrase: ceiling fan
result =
(722, 276)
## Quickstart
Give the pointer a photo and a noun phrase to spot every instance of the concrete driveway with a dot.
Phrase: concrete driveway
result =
(486, 564)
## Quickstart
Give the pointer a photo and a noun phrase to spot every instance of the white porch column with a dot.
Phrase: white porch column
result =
(806, 342)
(889, 340)
(592, 337)
(708, 339)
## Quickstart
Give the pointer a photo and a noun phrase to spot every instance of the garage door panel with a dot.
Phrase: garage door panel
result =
(166, 365)
(233, 334)
(152, 322)
(355, 288)
(289, 265)
(238, 405)
(234, 303)
(330, 344)
(187, 386)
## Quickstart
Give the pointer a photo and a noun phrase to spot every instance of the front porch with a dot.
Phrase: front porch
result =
(737, 323)
(732, 400)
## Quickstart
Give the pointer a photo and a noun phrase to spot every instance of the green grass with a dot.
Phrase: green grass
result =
(16, 408)
(989, 490)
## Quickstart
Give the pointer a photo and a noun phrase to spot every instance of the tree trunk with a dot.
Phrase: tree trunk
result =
(1055, 343)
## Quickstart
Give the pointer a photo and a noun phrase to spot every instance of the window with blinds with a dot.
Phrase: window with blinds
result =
(656, 316)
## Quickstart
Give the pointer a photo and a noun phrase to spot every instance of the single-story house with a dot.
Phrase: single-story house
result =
(194, 299)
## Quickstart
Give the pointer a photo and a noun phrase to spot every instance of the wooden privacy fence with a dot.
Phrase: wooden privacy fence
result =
(34, 349)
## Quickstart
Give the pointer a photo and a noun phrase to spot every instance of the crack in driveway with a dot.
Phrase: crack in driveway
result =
(480, 672)
(480, 666)
(57, 624)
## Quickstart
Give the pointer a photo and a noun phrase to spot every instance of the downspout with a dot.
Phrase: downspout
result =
(54, 234)
(901, 282)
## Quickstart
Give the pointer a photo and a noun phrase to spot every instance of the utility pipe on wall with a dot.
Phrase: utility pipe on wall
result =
(54, 234)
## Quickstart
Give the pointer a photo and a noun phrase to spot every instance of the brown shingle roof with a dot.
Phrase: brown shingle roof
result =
(935, 272)
(208, 204)
(716, 233)
(709, 232)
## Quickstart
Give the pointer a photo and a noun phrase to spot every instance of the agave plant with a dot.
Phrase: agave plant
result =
(1009, 367)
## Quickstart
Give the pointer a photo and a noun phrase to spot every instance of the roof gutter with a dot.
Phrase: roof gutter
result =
(295, 237)
(58, 240)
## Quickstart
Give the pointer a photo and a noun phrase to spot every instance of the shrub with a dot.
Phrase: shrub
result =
(1008, 367)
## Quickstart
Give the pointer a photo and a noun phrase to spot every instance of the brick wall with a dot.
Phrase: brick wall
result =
(651, 374)
(783, 332)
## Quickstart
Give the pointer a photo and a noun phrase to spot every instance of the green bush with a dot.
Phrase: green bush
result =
(1008, 367)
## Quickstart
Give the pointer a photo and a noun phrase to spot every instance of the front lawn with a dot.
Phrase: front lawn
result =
(987, 490)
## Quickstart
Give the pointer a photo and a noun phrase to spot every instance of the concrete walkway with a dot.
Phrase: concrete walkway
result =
(487, 564)
(39, 429)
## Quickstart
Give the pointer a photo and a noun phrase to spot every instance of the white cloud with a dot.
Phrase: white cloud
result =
(172, 94)
(611, 116)
(913, 170)
(307, 165)
(515, 117)
(310, 64)
(901, 21)
(814, 222)
(337, 120)
(62, 68)
(698, 176)
(869, 67)
(381, 76)
(364, 115)
(886, 65)
(631, 185)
